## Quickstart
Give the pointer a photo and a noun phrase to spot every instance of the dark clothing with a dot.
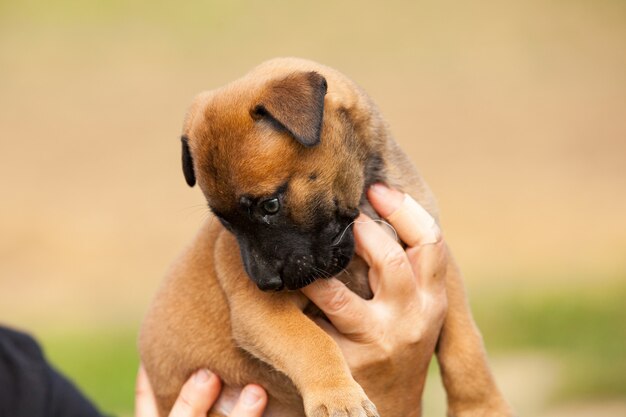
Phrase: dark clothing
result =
(30, 387)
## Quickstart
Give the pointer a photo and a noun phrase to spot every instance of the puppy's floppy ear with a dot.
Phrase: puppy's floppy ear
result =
(190, 176)
(295, 103)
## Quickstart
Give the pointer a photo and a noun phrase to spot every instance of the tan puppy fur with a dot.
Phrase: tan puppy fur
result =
(304, 127)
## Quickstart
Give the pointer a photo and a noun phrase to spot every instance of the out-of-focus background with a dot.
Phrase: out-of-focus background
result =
(515, 112)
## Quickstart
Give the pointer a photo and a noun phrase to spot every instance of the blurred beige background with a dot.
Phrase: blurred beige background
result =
(515, 112)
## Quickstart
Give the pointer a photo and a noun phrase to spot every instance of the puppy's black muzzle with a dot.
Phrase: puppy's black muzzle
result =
(288, 257)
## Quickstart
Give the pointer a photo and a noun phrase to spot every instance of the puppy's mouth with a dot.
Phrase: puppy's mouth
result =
(302, 270)
(293, 266)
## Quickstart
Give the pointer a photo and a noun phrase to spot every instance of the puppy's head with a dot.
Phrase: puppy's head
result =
(278, 159)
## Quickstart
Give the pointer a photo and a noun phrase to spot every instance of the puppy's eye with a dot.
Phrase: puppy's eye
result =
(271, 206)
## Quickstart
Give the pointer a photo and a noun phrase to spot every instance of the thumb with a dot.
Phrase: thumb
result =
(145, 403)
(346, 311)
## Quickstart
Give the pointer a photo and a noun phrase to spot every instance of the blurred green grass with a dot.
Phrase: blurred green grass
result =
(102, 362)
(583, 329)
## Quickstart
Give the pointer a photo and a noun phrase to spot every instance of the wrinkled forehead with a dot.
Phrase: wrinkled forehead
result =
(237, 156)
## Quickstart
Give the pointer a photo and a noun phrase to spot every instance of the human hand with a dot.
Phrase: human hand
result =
(388, 341)
(197, 396)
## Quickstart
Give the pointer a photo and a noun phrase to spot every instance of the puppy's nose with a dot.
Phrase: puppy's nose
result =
(273, 283)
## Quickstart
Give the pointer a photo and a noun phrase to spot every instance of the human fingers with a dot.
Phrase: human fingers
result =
(145, 403)
(430, 265)
(197, 395)
(391, 275)
(385, 200)
(251, 403)
(346, 311)
(414, 225)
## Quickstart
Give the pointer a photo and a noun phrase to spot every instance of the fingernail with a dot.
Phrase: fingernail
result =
(250, 395)
(379, 188)
(202, 376)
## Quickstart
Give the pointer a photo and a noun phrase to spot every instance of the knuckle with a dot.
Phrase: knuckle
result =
(441, 309)
(414, 339)
(435, 306)
(338, 301)
(432, 310)
(185, 401)
(415, 334)
(394, 258)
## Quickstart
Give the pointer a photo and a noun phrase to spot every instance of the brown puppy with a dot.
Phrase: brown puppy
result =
(283, 157)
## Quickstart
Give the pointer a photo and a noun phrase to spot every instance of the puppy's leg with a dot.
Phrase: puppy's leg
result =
(470, 386)
(272, 327)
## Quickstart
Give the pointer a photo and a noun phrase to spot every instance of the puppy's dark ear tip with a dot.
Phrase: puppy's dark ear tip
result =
(319, 80)
(308, 142)
(324, 85)
(187, 161)
(190, 182)
(259, 111)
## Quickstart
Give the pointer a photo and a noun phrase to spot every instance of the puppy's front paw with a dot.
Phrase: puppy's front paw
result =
(339, 402)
